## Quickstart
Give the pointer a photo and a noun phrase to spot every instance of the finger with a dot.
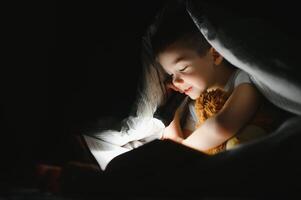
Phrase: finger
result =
(172, 86)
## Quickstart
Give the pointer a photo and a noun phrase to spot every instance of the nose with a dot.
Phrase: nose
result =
(177, 80)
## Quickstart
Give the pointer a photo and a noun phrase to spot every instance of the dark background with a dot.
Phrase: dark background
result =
(72, 63)
(67, 65)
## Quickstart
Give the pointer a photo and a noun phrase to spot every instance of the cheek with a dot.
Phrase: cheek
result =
(197, 81)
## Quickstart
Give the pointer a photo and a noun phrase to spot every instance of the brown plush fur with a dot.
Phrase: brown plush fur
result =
(210, 103)
(206, 106)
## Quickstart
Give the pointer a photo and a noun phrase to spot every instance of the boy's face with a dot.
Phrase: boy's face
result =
(191, 73)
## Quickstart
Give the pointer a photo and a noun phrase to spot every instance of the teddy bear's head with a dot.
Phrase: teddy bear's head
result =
(209, 103)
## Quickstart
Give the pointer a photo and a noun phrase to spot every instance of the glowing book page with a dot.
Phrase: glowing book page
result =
(103, 151)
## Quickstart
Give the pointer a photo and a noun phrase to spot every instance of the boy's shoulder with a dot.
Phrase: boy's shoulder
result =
(241, 77)
(238, 77)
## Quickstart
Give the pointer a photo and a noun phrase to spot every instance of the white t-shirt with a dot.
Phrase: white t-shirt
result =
(237, 78)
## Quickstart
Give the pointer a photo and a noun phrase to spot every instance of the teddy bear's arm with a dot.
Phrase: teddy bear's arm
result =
(237, 111)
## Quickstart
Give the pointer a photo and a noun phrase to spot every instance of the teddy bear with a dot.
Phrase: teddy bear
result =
(211, 102)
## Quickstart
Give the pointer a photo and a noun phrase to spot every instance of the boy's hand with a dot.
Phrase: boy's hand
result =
(171, 135)
(170, 87)
(166, 112)
(173, 130)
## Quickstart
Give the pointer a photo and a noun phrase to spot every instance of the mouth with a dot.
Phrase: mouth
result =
(188, 90)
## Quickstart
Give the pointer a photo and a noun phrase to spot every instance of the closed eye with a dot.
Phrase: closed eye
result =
(183, 69)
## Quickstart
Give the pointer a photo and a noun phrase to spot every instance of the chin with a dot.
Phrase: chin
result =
(194, 97)
(196, 94)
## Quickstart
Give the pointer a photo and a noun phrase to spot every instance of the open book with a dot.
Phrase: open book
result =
(103, 151)
(108, 144)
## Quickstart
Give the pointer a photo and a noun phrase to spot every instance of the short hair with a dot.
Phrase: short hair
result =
(175, 25)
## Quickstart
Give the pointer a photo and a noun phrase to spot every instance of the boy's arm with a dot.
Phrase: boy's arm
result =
(237, 111)
(173, 131)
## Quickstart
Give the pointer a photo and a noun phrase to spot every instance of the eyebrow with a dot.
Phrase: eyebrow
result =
(178, 59)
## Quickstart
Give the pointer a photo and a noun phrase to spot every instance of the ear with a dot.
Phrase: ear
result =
(217, 58)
